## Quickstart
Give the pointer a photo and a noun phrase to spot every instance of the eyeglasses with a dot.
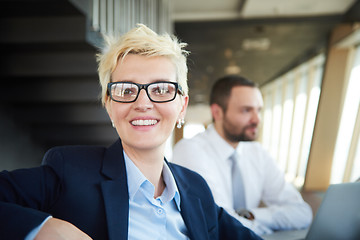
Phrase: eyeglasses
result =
(127, 92)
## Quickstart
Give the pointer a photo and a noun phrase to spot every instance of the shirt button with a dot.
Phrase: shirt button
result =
(160, 211)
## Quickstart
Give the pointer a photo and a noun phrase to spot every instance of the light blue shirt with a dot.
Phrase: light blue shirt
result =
(151, 218)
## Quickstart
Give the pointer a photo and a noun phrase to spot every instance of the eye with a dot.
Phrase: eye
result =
(160, 89)
(128, 91)
(121, 90)
(246, 110)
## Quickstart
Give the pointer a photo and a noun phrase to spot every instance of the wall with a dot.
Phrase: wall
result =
(11, 137)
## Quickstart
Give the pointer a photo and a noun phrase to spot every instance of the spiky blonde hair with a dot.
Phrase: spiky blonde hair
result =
(143, 41)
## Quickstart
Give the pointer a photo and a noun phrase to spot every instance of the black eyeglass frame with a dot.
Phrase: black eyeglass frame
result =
(178, 88)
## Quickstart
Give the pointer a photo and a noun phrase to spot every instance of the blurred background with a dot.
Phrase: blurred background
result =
(304, 54)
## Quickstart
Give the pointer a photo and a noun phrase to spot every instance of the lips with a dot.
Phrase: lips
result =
(144, 122)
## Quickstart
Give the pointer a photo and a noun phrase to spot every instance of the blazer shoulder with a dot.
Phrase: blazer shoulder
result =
(75, 149)
(190, 179)
(183, 171)
(71, 153)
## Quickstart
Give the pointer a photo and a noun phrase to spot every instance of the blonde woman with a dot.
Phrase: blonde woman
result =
(129, 190)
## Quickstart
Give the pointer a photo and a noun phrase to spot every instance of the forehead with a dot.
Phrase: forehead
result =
(245, 96)
(137, 67)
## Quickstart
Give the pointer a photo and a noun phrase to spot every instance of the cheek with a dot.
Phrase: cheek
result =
(118, 112)
(171, 112)
(237, 120)
(243, 120)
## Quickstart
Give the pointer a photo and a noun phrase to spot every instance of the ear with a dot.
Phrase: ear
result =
(216, 112)
(185, 102)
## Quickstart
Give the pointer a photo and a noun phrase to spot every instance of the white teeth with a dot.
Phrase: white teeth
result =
(144, 122)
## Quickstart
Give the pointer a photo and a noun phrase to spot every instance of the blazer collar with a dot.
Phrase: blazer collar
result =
(115, 192)
(116, 198)
(113, 162)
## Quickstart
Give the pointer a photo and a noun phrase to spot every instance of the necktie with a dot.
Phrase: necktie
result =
(237, 184)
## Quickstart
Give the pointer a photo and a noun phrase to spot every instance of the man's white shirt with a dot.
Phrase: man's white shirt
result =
(208, 154)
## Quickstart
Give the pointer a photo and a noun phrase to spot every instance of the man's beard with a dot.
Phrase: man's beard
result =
(228, 129)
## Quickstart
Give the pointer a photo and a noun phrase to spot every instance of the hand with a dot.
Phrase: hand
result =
(260, 229)
(246, 214)
(255, 226)
(57, 229)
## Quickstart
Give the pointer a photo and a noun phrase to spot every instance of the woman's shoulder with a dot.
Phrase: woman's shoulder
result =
(187, 176)
(192, 183)
(75, 154)
(182, 170)
(75, 149)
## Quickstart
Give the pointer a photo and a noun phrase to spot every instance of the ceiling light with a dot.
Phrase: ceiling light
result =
(232, 68)
(259, 44)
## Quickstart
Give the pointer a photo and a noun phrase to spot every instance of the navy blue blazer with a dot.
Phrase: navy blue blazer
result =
(87, 186)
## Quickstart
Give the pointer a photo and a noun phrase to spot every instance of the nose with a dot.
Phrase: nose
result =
(256, 116)
(143, 102)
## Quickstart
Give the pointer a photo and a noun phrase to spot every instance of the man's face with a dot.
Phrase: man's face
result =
(242, 117)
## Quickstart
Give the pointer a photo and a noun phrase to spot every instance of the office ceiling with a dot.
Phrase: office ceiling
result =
(255, 38)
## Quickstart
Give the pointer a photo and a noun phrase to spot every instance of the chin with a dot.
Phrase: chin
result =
(252, 138)
(147, 143)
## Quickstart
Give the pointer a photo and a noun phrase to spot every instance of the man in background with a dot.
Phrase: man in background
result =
(243, 178)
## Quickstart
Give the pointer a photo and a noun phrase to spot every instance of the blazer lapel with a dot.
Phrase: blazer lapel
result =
(191, 210)
(192, 213)
(116, 198)
(115, 192)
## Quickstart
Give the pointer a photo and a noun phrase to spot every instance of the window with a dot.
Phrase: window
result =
(346, 161)
(290, 106)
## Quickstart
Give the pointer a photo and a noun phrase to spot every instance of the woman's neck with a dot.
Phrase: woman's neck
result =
(150, 163)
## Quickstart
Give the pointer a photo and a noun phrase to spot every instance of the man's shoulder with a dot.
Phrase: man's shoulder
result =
(188, 177)
(252, 145)
(182, 170)
(199, 140)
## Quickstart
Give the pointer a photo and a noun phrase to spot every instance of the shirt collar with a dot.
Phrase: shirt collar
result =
(222, 147)
(136, 180)
(171, 191)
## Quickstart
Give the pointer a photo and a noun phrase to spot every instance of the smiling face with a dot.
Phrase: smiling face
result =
(143, 124)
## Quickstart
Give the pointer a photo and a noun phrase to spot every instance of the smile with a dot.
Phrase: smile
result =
(144, 122)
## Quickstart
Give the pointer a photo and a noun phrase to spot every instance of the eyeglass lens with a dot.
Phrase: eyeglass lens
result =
(158, 92)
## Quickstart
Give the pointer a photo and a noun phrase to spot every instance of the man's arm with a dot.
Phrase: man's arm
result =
(284, 206)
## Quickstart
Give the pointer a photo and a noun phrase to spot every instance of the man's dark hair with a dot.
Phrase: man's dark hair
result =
(221, 90)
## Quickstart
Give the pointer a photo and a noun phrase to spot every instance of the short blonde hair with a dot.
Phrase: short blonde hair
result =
(143, 41)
